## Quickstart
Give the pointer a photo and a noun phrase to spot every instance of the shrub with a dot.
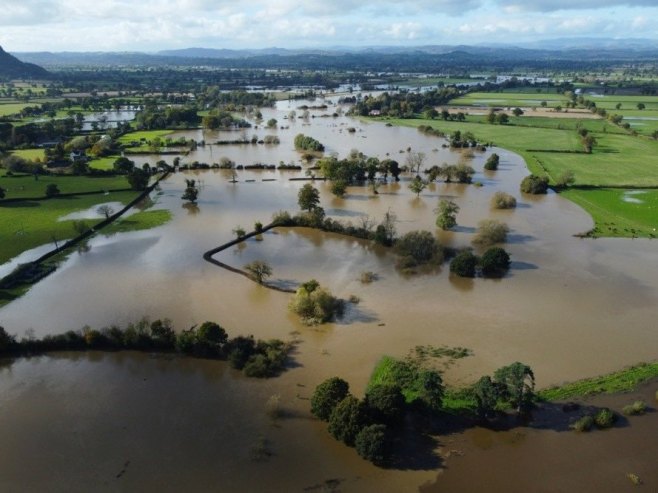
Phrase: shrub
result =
(315, 305)
(605, 418)
(534, 184)
(367, 277)
(495, 262)
(372, 443)
(502, 200)
(464, 264)
(52, 190)
(419, 248)
(347, 419)
(326, 397)
(239, 350)
(490, 232)
(583, 424)
(282, 218)
(637, 408)
(492, 162)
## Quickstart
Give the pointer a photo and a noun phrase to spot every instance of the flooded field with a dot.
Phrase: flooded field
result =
(569, 308)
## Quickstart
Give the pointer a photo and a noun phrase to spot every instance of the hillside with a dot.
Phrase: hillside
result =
(12, 68)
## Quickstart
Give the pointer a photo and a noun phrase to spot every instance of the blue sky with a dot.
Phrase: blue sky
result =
(151, 25)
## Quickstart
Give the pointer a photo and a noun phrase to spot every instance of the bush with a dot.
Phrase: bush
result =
(492, 162)
(418, 248)
(534, 184)
(583, 424)
(52, 190)
(495, 262)
(635, 409)
(490, 232)
(367, 277)
(372, 443)
(314, 304)
(464, 264)
(326, 397)
(605, 418)
(502, 200)
(447, 214)
(239, 350)
(347, 420)
(338, 188)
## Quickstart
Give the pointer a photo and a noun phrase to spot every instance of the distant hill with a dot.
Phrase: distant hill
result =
(12, 68)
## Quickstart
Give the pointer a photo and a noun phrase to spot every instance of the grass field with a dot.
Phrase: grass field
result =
(104, 163)
(26, 225)
(7, 109)
(619, 212)
(143, 134)
(31, 154)
(617, 161)
(528, 120)
(26, 186)
(522, 99)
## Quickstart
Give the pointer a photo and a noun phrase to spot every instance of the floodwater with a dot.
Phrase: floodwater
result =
(569, 308)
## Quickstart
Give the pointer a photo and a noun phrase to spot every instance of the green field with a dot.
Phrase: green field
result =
(616, 161)
(21, 186)
(29, 224)
(31, 154)
(528, 120)
(103, 163)
(137, 222)
(7, 109)
(143, 134)
(488, 99)
(619, 212)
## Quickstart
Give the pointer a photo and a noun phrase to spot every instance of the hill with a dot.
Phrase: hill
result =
(12, 68)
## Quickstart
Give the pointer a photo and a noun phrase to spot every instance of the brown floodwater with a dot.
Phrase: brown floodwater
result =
(569, 308)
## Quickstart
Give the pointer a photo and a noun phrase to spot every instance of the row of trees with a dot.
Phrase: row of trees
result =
(256, 358)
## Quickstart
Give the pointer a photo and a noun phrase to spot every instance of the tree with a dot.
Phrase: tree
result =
(315, 305)
(123, 165)
(385, 403)
(415, 161)
(517, 385)
(490, 231)
(641, 106)
(517, 112)
(502, 200)
(588, 142)
(2, 193)
(271, 123)
(502, 118)
(372, 443)
(308, 197)
(464, 264)
(191, 191)
(52, 190)
(492, 162)
(239, 232)
(417, 185)
(347, 420)
(486, 395)
(534, 184)
(212, 335)
(338, 188)
(259, 270)
(447, 214)
(419, 247)
(326, 397)
(138, 179)
(6, 341)
(495, 262)
(105, 210)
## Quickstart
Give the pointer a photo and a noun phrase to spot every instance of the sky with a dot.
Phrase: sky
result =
(152, 25)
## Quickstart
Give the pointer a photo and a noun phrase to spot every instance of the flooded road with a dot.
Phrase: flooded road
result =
(569, 308)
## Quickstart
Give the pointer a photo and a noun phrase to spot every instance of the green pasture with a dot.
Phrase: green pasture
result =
(7, 109)
(22, 186)
(31, 154)
(147, 135)
(103, 163)
(29, 224)
(619, 212)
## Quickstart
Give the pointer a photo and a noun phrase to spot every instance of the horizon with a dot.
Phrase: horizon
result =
(158, 25)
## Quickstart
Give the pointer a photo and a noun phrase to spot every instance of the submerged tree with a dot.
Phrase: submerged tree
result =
(517, 384)
(417, 185)
(191, 191)
(326, 397)
(308, 197)
(259, 270)
(447, 214)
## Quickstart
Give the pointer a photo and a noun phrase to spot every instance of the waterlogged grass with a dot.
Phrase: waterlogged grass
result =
(619, 213)
(620, 381)
(29, 224)
(140, 221)
(22, 186)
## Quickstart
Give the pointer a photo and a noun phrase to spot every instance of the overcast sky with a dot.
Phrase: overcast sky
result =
(151, 25)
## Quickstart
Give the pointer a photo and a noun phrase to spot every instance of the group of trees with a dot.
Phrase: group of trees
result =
(409, 388)
(153, 117)
(256, 358)
(356, 168)
(495, 262)
(404, 104)
(315, 304)
(307, 143)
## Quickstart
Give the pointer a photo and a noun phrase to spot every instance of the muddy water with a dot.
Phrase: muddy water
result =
(569, 308)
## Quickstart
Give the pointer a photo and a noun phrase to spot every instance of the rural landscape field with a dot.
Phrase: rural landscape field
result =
(420, 262)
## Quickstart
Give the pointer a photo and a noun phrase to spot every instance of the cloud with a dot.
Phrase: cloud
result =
(555, 5)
